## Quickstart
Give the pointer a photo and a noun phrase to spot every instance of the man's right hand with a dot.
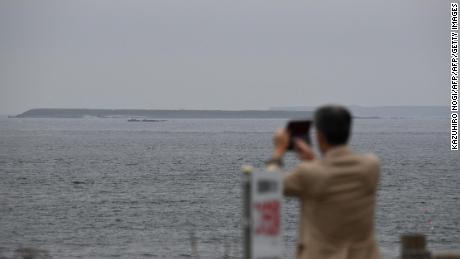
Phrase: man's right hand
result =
(304, 151)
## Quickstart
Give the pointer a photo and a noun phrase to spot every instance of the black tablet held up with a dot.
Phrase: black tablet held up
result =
(298, 129)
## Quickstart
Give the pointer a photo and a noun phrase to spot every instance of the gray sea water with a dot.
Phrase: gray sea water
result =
(108, 188)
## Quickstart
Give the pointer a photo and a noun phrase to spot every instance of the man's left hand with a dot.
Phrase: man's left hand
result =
(280, 142)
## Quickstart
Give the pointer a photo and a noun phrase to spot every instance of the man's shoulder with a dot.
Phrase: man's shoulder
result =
(369, 158)
(309, 165)
(353, 163)
(369, 167)
(311, 168)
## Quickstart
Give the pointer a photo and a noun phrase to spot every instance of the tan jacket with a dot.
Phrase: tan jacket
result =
(337, 197)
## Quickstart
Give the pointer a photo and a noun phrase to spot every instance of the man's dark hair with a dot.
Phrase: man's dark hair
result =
(334, 122)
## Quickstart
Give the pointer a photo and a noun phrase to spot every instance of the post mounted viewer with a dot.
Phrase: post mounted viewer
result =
(337, 192)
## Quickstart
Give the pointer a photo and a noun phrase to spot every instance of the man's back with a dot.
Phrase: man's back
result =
(337, 205)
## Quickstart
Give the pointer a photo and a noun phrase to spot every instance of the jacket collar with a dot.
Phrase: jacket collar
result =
(338, 151)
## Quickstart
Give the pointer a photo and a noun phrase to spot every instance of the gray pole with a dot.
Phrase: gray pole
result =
(246, 170)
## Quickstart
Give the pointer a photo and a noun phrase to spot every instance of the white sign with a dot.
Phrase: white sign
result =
(266, 204)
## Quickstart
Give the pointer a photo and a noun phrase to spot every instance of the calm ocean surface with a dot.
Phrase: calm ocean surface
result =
(108, 188)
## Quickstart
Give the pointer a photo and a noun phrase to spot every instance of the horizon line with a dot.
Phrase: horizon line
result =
(273, 108)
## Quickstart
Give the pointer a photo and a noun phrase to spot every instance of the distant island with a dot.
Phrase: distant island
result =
(163, 114)
(300, 112)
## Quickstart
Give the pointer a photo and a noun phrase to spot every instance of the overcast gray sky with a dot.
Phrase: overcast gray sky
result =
(222, 54)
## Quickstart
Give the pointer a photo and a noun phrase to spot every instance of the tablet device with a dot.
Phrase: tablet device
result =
(298, 129)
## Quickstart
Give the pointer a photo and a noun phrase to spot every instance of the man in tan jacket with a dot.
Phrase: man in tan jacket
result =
(337, 192)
